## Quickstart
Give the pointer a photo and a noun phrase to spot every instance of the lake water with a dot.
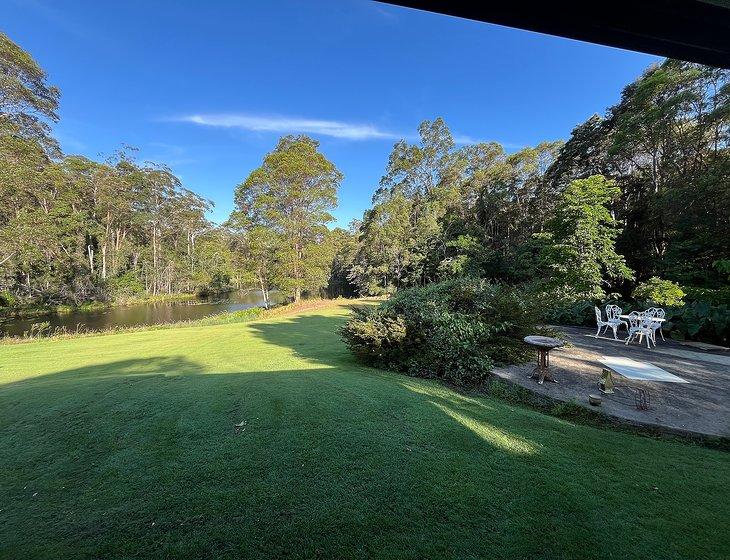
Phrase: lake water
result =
(139, 314)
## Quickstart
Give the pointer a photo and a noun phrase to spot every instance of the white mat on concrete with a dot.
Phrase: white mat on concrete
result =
(641, 371)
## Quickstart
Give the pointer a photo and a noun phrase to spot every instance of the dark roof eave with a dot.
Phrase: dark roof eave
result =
(690, 30)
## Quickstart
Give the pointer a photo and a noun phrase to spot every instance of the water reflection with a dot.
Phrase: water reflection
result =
(140, 314)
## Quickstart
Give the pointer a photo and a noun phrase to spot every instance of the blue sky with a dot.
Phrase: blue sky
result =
(208, 87)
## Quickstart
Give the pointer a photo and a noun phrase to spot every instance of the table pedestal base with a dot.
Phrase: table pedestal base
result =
(542, 371)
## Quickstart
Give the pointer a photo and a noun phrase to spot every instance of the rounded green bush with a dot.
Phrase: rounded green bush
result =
(455, 330)
(660, 292)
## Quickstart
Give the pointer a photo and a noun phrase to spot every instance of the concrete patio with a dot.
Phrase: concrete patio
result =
(700, 407)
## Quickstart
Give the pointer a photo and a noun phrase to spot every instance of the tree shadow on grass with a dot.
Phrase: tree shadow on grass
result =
(129, 457)
(312, 337)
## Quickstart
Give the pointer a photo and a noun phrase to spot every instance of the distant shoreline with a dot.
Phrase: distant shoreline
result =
(37, 310)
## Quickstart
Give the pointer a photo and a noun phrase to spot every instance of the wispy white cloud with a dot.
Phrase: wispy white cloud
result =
(335, 129)
(259, 123)
(464, 139)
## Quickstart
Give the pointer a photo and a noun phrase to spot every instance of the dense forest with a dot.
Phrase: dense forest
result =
(637, 199)
(74, 230)
(442, 211)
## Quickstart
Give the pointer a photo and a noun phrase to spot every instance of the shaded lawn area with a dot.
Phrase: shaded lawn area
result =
(123, 446)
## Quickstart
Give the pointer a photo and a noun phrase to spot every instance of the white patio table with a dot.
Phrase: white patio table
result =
(657, 319)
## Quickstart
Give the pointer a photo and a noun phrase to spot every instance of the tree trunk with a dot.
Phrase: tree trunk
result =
(154, 260)
(103, 261)
(107, 235)
(297, 268)
(90, 252)
(264, 291)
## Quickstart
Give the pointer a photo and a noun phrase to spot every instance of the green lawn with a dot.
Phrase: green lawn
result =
(123, 446)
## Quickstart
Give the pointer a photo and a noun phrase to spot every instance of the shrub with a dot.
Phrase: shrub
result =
(723, 267)
(576, 313)
(7, 299)
(582, 312)
(374, 336)
(125, 286)
(700, 320)
(660, 292)
(715, 296)
(705, 316)
(455, 330)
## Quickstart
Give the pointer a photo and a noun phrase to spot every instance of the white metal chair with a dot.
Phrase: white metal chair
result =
(656, 313)
(601, 323)
(613, 316)
(640, 325)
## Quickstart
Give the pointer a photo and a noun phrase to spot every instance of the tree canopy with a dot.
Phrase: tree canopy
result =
(645, 188)
(27, 101)
(290, 197)
(665, 143)
(74, 230)
(580, 241)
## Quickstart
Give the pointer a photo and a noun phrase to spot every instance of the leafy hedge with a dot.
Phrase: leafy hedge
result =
(717, 296)
(700, 320)
(455, 330)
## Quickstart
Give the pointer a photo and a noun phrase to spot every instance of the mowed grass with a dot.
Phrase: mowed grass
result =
(123, 446)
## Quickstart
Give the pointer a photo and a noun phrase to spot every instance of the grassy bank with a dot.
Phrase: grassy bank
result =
(265, 439)
(160, 298)
(35, 310)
